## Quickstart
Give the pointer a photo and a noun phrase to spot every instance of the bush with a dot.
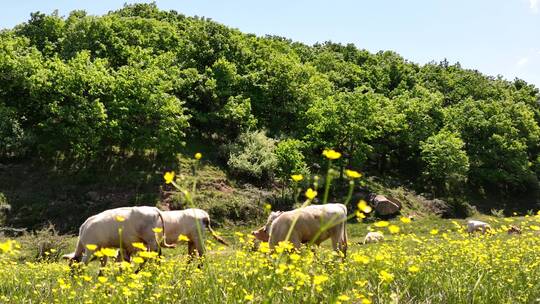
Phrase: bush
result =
(45, 245)
(290, 159)
(252, 156)
(445, 162)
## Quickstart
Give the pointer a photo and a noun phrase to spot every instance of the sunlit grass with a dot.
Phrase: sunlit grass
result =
(411, 266)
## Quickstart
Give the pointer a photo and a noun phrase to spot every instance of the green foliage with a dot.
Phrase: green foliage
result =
(11, 133)
(138, 79)
(350, 121)
(290, 159)
(446, 163)
(252, 156)
(499, 136)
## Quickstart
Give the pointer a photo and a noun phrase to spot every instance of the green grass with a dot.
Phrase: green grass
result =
(453, 267)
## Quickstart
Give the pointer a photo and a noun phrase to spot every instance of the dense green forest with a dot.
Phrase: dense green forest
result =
(81, 91)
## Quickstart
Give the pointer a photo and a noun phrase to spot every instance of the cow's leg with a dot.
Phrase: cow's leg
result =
(335, 236)
(191, 249)
(343, 239)
(87, 257)
(296, 241)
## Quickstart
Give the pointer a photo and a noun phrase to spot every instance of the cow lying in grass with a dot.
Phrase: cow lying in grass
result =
(124, 227)
(475, 225)
(311, 224)
(373, 237)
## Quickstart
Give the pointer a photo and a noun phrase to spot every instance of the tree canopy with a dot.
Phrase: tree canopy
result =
(141, 78)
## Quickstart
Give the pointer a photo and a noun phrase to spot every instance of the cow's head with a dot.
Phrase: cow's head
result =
(263, 233)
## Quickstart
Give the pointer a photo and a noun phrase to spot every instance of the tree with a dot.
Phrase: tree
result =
(445, 162)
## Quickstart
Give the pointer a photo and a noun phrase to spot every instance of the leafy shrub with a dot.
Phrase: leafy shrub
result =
(45, 245)
(290, 159)
(252, 156)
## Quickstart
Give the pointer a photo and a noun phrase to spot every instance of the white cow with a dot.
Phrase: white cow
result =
(373, 237)
(190, 223)
(310, 221)
(103, 231)
(475, 225)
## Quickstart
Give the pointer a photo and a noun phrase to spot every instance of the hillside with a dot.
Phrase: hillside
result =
(95, 108)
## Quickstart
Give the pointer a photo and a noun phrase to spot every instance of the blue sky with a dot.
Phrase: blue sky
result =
(493, 36)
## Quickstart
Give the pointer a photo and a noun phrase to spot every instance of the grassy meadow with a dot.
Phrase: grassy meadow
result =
(429, 260)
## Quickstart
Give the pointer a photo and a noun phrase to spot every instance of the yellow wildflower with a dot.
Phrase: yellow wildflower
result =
(434, 231)
(311, 194)
(353, 174)
(344, 298)
(119, 218)
(319, 279)
(182, 237)
(393, 229)
(249, 297)
(138, 260)
(198, 155)
(148, 254)
(110, 252)
(295, 257)
(102, 279)
(364, 207)
(405, 220)
(139, 245)
(361, 283)
(169, 177)
(386, 276)
(157, 229)
(381, 224)
(91, 247)
(331, 154)
(414, 269)
(297, 177)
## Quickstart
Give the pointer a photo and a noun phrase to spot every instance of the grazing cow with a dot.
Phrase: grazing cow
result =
(103, 231)
(373, 237)
(475, 225)
(187, 223)
(514, 230)
(314, 223)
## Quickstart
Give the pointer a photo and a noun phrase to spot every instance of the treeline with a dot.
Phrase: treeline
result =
(82, 88)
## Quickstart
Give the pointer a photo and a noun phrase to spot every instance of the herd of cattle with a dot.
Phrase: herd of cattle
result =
(124, 227)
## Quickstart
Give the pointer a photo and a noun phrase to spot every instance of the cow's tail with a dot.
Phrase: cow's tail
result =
(344, 240)
(206, 222)
(164, 241)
